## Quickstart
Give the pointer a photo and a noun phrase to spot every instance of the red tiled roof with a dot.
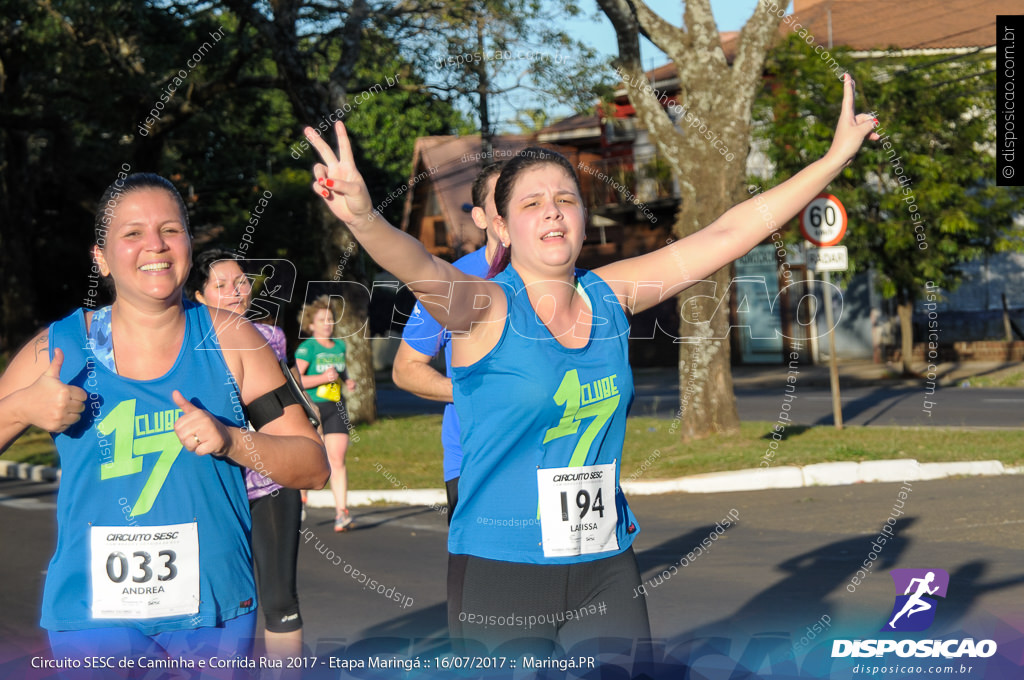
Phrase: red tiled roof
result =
(908, 25)
(881, 24)
(585, 124)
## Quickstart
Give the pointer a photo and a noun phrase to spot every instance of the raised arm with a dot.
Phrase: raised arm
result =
(449, 296)
(681, 264)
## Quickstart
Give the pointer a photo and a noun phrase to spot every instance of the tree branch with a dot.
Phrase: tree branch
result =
(649, 110)
(757, 36)
(670, 39)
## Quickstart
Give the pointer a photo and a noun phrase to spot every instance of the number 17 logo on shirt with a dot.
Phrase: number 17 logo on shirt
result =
(597, 400)
(574, 519)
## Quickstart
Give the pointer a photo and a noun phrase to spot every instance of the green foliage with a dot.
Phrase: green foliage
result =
(502, 57)
(388, 123)
(937, 123)
(80, 81)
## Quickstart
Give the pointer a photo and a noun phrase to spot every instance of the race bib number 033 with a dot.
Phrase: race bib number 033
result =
(577, 510)
(144, 572)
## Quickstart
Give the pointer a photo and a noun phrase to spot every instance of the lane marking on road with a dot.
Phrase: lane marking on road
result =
(993, 524)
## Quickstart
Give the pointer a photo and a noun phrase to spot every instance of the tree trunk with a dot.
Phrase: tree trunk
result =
(483, 92)
(307, 97)
(707, 402)
(708, 160)
(905, 311)
(354, 323)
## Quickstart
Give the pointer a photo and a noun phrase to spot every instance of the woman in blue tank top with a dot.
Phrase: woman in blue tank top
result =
(146, 401)
(540, 541)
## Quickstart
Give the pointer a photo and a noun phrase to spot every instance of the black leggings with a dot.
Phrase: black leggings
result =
(541, 605)
(451, 487)
(275, 549)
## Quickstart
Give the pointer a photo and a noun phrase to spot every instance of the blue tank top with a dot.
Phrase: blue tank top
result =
(427, 336)
(533, 404)
(149, 535)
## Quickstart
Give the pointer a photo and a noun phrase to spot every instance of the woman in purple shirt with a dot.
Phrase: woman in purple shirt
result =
(217, 280)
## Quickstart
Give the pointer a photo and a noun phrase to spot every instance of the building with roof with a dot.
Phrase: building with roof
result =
(631, 197)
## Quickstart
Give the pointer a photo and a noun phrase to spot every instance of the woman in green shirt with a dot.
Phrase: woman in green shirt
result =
(321, 362)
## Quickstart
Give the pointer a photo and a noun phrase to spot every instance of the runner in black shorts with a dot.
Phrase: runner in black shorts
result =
(333, 416)
(320, 361)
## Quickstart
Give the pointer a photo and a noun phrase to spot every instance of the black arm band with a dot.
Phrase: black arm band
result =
(303, 399)
(270, 406)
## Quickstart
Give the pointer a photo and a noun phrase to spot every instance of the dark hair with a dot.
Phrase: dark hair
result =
(199, 275)
(119, 188)
(526, 159)
(480, 183)
(114, 193)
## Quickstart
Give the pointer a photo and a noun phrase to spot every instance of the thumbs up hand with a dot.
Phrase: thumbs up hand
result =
(198, 431)
(50, 404)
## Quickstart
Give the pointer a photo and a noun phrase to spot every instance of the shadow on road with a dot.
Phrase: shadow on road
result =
(775, 626)
(889, 398)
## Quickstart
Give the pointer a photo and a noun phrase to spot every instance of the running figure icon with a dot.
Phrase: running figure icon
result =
(915, 604)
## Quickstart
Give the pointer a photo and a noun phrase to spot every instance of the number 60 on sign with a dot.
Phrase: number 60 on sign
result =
(823, 221)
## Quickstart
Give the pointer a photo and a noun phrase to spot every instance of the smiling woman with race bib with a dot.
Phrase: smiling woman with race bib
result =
(147, 401)
(542, 532)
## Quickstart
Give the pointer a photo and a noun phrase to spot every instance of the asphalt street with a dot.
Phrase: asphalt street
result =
(657, 395)
(787, 563)
(884, 405)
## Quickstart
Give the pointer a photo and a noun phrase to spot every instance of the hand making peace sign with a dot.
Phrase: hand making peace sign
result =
(338, 180)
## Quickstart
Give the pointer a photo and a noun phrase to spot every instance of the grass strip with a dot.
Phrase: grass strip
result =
(396, 453)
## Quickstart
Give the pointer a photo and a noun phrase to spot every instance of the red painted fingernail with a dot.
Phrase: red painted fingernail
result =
(329, 183)
(320, 181)
(325, 193)
(876, 120)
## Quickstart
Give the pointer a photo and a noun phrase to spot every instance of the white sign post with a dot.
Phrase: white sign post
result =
(831, 259)
(823, 223)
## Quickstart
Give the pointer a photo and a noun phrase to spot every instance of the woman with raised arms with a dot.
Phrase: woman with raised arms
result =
(146, 400)
(542, 534)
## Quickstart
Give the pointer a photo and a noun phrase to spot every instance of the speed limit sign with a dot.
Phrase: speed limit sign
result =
(823, 221)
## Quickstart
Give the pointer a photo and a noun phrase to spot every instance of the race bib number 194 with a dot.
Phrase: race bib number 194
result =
(577, 509)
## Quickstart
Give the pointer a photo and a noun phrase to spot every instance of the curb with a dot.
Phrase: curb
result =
(34, 473)
(757, 479)
(819, 474)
